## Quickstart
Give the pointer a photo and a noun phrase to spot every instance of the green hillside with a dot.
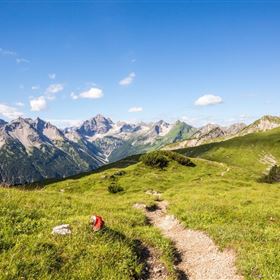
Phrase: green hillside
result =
(221, 198)
(255, 152)
(179, 132)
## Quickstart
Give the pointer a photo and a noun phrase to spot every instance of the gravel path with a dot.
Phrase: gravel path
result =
(154, 269)
(200, 257)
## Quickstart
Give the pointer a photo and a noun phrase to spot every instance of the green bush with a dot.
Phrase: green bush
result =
(115, 188)
(155, 159)
(160, 159)
(273, 175)
(181, 159)
(120, 173)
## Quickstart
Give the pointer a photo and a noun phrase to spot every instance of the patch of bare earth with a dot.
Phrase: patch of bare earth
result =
(200, 258)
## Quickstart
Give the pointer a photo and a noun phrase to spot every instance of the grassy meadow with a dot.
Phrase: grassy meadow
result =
(249, 152)
(220, 195)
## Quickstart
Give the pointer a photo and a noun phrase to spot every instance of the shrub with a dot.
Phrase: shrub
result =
(114, 188)
(160, 159)
(155, 159)
(273, 175)
(181, 159)
(120, 173)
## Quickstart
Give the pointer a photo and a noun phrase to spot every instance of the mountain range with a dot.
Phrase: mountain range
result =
(34, 150)
(215, 133)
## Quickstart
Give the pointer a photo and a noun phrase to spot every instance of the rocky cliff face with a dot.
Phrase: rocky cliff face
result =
(96, 125)
(235, 129)
(35, 150)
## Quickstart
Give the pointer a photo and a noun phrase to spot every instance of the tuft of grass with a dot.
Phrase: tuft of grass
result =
(115, 188)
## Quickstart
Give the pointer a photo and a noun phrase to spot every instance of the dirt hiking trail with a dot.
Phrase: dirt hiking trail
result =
(200, 258)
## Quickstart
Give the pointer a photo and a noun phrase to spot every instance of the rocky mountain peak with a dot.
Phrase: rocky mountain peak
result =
(39, 124)
(96, 125)
(263, 124)
(161, 124)
(52, 132)
(269, 118)
(159, 128)
(101, 118)
(235, 128)
(126, 127)
(20, 123)
(206, 129)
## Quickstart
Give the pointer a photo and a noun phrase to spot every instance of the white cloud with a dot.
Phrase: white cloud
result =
(208, 99)
(92, 93)
(65, 123)
(127, 80)
(135, 109)
(191, 120)
(35, 87)
(38, 104)
(52, 90)
(20, 104)
(52, 76)
(14, 54)
(7, 52)
(55, 88)
(22, 60)
(9, 112)
(74, 96)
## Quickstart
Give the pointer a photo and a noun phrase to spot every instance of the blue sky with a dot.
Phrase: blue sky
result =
(200, 62)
